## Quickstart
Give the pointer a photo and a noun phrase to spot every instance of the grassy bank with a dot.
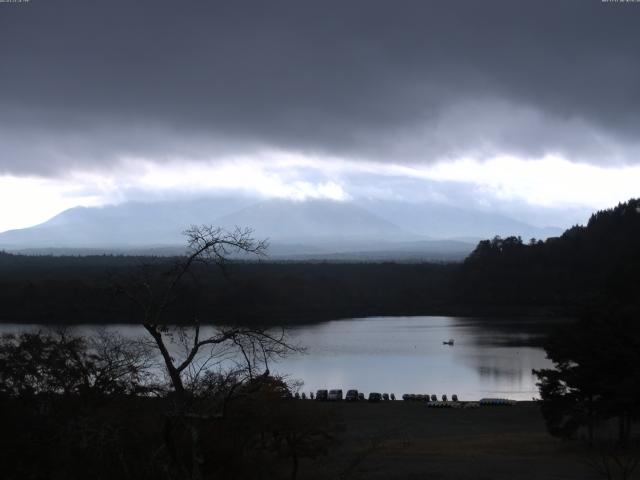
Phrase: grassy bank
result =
(404, 440)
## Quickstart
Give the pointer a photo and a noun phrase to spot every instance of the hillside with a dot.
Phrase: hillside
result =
(128, 225)
(595, 263)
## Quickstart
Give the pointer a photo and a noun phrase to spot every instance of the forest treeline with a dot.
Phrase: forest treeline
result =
(596, 263)
(587, 266)
(85, 290)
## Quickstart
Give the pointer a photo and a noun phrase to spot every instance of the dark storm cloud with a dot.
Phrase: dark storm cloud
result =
(84, 83)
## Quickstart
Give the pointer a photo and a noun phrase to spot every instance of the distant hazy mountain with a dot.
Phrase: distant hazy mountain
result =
(412, 251)
(126, 225)
(160, 224)
(303, 230)
(318, 222)
(436, 220)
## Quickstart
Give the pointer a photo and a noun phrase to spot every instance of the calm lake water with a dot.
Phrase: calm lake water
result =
(490, 358)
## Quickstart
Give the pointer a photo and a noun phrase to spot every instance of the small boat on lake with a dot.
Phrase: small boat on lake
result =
(450, 342)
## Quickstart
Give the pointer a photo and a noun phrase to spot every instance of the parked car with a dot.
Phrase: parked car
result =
(322, 395)
(351, 396)
(375, 397)
(335, 395)
(496, 401)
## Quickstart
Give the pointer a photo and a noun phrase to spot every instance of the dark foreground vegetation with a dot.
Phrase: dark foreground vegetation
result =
(73, 407)
(594, 387)
(586, 266)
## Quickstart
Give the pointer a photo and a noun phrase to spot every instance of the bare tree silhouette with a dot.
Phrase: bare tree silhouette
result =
(191, 351)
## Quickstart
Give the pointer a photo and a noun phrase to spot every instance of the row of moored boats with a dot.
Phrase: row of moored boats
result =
(431, 400)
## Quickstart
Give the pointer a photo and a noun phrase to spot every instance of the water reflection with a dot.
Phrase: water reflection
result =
(406, 355)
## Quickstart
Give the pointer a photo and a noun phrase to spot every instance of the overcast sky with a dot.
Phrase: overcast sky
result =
(520, 106)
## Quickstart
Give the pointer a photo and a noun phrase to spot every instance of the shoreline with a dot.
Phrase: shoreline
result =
(293, 320)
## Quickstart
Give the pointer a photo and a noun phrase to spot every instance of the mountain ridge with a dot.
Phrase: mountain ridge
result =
(300, 229)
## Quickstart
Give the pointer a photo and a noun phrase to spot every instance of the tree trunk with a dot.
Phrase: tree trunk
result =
(174, 375)
(590, 422)
(196, 455)
(294, 466)
(627, 429)
(623, 435)
(291, 444)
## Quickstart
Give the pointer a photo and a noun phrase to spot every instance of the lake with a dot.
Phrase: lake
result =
(489, 358)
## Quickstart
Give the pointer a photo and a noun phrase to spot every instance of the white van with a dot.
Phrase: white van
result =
(335, 395)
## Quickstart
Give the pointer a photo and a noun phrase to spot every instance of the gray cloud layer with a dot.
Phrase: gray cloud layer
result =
(412, 80)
